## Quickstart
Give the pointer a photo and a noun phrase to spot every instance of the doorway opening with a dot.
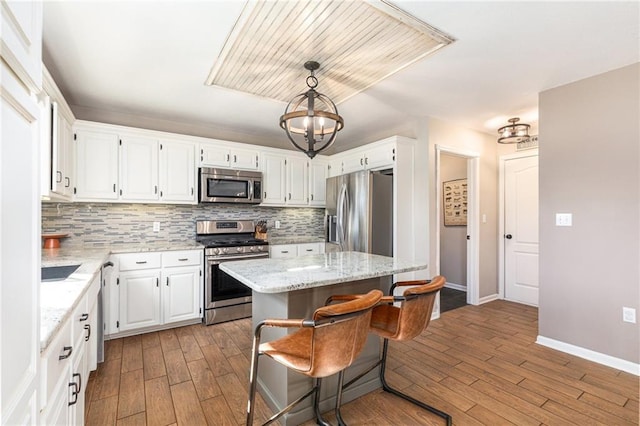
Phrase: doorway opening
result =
(457, 241)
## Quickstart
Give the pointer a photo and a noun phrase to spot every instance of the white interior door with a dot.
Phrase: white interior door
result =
(521, 230)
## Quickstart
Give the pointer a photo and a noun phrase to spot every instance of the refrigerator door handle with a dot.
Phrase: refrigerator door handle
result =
(343, 211)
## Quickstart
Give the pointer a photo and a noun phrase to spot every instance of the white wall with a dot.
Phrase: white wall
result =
(431, 132)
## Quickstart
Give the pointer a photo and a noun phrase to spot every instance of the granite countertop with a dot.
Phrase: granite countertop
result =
(59, 298)
(282, 275)
(294, 240)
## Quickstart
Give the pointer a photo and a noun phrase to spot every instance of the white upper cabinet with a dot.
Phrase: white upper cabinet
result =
(138, 168)
(57, 145)
(214, 155)
(146, 167)
(292, 180)
(177, 172)
(97, 165)
(374, 156)
(297, 182)
(273, 179)
(318, 173)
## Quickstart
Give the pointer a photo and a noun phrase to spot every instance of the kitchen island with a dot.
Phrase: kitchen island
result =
(295, 288)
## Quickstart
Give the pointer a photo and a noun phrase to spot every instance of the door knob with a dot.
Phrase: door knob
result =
(508, 236)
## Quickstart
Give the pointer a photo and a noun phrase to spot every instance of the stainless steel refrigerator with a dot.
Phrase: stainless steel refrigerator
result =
(359, 213)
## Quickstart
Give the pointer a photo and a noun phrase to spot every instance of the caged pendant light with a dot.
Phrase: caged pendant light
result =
(311, 119)
(514, 132)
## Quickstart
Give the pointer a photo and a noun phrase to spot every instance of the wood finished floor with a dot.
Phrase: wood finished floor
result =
(478, 363)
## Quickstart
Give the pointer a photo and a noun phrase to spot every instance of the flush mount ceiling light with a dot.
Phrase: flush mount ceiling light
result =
(514, 132)
(311, 119)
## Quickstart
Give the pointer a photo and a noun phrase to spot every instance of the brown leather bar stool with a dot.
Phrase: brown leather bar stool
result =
(324, 345)
(402, 323)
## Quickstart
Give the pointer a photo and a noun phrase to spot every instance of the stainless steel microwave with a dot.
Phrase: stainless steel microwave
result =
(229, 186)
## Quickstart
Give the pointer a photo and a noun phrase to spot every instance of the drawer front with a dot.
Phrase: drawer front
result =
(284, 250)
(55, 369)
(135, 261)
(308, 248)
(181, 258)
(79, 318)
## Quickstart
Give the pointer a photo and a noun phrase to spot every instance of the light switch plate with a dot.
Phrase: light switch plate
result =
(629, 315)
(563, 219)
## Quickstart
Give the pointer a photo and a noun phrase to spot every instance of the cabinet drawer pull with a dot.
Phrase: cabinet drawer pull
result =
(284, 251)
(140, 262)
(77, 386)
(114, 187)
(311, 197)
(58, 176)
(68, 184)
(66, 353)
(192, 190)
(235, 159)
(87, 327)
(309, 249)
(155, 189)
(84, 317)
(167, 281)
(157, 282)
(183, 259)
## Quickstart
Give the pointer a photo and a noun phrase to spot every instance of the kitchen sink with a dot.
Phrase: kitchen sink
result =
(57, 273)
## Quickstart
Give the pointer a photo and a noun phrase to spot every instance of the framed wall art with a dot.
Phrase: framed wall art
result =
(454, 194)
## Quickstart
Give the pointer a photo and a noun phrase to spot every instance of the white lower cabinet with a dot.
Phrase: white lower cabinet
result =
(280, 251)
(155, 289)
(139, 299)
(67, 362)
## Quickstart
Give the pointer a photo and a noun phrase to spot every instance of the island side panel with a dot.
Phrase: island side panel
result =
(280, 386)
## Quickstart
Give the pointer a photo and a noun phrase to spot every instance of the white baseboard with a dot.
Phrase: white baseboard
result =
(489, 298)
(608, 360)
(456, 286)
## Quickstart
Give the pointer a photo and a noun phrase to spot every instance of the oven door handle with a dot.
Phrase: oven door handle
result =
(238, 257)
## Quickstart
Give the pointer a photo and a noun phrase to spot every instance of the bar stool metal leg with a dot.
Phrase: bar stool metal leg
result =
(339, 399)
(316, 404)
(387, 388)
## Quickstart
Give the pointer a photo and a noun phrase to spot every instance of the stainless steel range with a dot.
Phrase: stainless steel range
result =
(226, 298)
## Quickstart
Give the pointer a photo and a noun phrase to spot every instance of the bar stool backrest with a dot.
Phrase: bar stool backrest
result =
(414, 313)
(341, 334)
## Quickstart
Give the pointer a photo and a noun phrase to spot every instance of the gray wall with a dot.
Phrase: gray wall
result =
(589, 166)
(453, 239)
(97, 224)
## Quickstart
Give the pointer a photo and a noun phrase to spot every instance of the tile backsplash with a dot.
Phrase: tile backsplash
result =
(100, 224)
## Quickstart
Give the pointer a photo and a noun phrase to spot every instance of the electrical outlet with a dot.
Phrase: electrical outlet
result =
(563, 219)
(277, 224)
(156, 226)
(629, 315)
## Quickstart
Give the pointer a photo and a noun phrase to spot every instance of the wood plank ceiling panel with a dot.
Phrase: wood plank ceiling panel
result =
(357, 43)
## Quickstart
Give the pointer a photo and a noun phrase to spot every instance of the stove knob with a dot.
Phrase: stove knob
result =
(239, 249)
(252, 248)
(224, 250)
(215, 251)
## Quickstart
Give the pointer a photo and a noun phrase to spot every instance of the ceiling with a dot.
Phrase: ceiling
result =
(145, 64)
